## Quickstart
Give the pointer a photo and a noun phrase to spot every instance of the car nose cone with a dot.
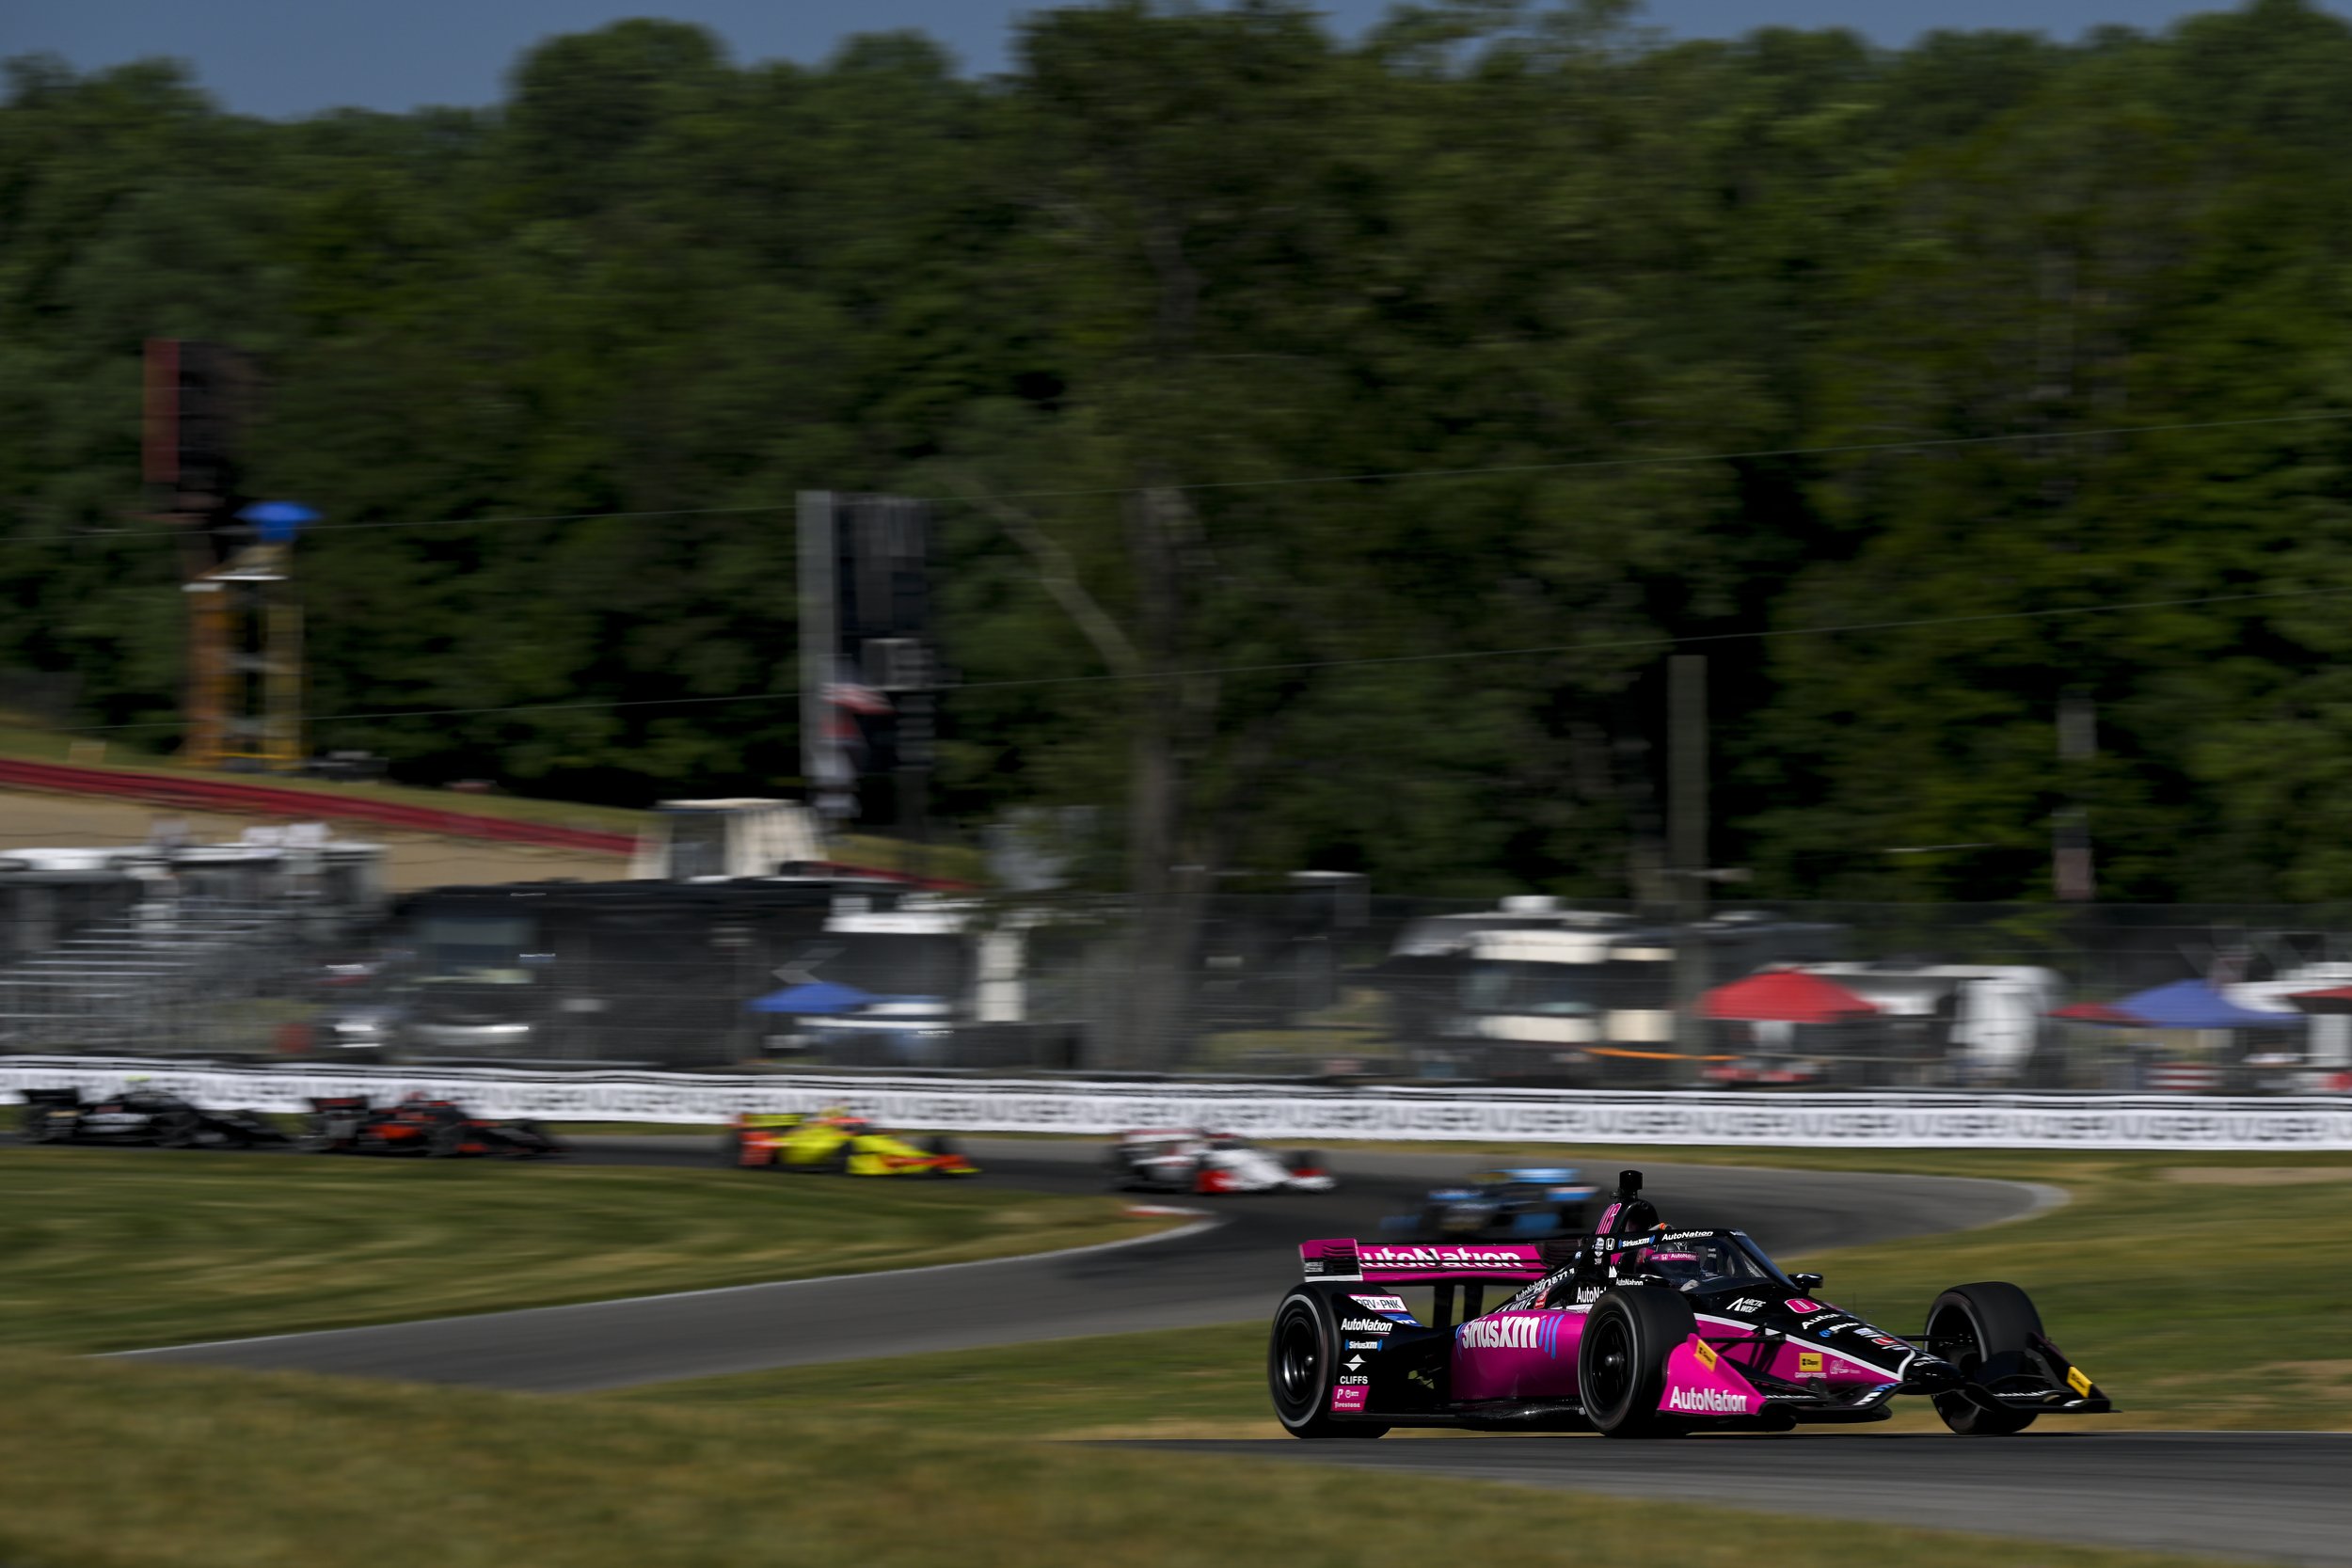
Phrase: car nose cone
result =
(1930, 1376)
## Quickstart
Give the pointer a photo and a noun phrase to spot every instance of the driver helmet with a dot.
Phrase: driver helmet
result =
(1635, 1216)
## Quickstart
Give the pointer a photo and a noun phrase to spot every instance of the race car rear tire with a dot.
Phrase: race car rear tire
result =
(178, 1129)
(1621, 1361)
(1301, 1360)
(447, 1140)
(1987, 1331)
(44, 1126)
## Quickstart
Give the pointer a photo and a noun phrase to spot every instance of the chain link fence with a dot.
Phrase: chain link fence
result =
(1321, 982)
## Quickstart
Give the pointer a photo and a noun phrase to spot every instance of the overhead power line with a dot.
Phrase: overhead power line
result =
(1293, 666)
(1388, 476)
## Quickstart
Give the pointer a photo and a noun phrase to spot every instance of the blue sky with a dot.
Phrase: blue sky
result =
(294, 56)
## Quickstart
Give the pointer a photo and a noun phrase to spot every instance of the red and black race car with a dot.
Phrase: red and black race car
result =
(1639, 1330)
(352, 1124)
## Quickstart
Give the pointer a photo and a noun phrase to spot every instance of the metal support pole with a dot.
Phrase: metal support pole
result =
(1685, 835)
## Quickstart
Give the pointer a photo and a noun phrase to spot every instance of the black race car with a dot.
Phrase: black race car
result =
(353, 1124)
(140, 1116)
(1639, 1330)
(1517, 1203)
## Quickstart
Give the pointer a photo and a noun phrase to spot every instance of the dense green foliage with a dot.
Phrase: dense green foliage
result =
(1095, 304)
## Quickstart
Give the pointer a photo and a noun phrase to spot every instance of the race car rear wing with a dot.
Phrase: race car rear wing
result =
(1427, 1263)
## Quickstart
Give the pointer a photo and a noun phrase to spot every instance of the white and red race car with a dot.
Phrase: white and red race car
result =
(1193, 1160)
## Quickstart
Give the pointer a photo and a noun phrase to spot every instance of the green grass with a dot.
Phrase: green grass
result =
(108, 1249)
(2193, 1304)
(111, 1465)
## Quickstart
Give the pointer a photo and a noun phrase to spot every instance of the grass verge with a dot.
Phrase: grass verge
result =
(110, 1249)
(109, 1466)
(2150, 1276)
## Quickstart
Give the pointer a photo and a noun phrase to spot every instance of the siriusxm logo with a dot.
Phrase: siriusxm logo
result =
(1706, 1401)
(1510, 1331)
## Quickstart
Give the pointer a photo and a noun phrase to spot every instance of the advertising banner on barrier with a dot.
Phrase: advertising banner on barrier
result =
(1289, 1112)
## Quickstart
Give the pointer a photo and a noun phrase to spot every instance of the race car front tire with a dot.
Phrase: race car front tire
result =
(1621, 1362)
(1301, 1361)
(1986, 1330)
(178, 1129)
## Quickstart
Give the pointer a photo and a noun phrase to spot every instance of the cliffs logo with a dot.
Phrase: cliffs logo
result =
(1706, 1401)
(1511, 1331)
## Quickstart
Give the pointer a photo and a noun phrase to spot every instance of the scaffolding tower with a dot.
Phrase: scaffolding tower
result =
(244, 699)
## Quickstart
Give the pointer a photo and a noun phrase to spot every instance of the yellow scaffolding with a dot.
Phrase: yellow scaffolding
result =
(244, 661)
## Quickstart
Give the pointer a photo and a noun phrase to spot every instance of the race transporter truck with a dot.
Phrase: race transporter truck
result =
(1639, 1330)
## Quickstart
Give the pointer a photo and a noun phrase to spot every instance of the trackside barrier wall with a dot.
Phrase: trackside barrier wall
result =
(1875, 1120)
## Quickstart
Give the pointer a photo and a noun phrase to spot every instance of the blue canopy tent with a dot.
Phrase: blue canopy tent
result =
(2195, 1005)
(815, 999)
(278, 522)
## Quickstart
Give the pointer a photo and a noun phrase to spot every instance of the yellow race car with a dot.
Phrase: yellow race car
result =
(837, 1143)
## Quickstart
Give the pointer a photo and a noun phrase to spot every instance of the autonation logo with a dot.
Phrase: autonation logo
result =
(1706, 1401)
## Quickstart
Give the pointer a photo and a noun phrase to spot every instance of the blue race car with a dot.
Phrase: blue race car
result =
(1522, 1203)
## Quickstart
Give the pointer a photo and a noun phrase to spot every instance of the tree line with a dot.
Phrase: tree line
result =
(2026, 358)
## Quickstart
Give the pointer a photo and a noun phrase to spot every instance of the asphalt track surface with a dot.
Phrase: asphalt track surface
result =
(1236, 1268)
(2276, 1496)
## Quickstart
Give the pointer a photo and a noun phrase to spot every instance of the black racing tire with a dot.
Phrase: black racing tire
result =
(42, 1125)
(1301, 1359)
(1621, 1360)
(1121, 1175)
(314, 1139)
(731, 1148)
(178, 1129)
(445, 1141)
(837, 1162)
(1987, 1331)
(1303, 1159)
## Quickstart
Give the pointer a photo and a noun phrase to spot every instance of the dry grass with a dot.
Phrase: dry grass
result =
(109, 1465)
(111, 1249)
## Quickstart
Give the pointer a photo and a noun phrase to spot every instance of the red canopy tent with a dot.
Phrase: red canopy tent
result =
(1785, 996)
(2335, 999)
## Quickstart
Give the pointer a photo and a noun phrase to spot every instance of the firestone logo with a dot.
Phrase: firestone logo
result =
(1706, 1401)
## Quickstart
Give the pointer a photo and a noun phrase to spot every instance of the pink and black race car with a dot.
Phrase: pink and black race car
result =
(1639, 1330)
